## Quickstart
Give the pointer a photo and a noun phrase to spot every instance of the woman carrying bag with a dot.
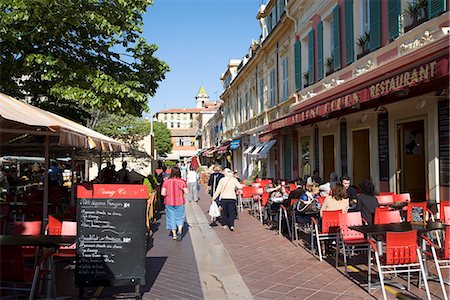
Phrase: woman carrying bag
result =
(226, 191)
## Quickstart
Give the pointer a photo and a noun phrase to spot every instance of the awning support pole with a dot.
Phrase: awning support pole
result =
(72, 178)
(47, 167)
(100, 167)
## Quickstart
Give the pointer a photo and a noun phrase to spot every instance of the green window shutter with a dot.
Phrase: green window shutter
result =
(298, 65)
(320, 50)
(311, 57)
(375, 24)
(337, 39)
(349, 44)
(436, 7)
(394, 10)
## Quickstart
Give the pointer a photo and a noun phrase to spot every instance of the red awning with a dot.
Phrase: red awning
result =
(224, 148)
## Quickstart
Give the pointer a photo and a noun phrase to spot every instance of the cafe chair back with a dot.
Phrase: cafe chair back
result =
(387, 217)
(386, 193)
(385, 200)
(54, 226)
(445, 212)
(402, 255)
(379, 210)
(13, 270)
(330, 229)
(247, 196)
(441, 258)
(349, 239)
(401, 198)
(257, 205)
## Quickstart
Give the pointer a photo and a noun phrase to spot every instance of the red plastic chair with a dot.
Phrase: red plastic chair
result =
(378, 211)
(388, 216)
(402, 198)
(14, 270)
(423, 205)
(54, 226)
(441, 256)
(247, 196)
(257, 207)
(350, 238)
(446, 215)
(385, 200)
(330, 229)
(402, 251)
(443, 204)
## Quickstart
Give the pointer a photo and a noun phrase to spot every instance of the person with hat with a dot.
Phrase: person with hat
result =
(226, 191)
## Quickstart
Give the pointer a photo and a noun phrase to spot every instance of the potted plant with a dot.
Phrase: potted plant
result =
(329, 63)
(306, 77)
(364, 43)
(417, 13)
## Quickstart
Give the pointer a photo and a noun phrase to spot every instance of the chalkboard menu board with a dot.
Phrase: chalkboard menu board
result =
(111, 235)
(418, 215)
(444, 143)
(383, 146)
(343, 138)
(316, 148)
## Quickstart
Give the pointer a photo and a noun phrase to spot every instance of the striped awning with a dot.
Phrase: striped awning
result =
(19, 120)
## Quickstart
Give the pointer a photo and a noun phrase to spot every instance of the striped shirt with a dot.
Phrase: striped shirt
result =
(174, 191)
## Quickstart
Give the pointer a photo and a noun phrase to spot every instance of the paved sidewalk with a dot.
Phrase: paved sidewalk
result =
(275, 268)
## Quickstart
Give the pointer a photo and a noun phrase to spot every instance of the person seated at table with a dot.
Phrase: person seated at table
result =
(366, 201)
(312, 191)
(338, 200)
(295, 194)
(351, 191)
(277, 195)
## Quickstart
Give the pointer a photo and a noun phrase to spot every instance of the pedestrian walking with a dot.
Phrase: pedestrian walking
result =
(226, 190)
(173, 190)
(192, 184)
(213, 183)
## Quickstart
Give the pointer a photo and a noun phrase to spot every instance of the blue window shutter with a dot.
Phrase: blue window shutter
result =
(337, 39)
(436, 7)
(349, 44)
(320, 50)
(394, 10)
(298, 65)
(375, 24)
(311, 57)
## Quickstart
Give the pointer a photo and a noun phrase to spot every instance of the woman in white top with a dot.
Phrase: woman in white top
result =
(226, 190)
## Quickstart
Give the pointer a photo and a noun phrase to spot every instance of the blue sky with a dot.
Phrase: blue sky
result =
(197, 38)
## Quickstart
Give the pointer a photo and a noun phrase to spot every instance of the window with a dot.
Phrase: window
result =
(177, 142)
(171, 125)
(285, 78)
(298, 64)
(178, 124)
(261, 95)
(320, 50)
(280, 8)
(272, 87)
(365, 16)
(336, 45)
(349, 44)
(247, 106)
(311, 57)
(394, 9)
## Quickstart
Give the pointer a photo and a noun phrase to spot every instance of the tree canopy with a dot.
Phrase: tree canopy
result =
(127, 128)
(163, 141)
(78, 57)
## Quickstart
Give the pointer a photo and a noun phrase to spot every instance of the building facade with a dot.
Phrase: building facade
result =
(185, 123)
(358, 88)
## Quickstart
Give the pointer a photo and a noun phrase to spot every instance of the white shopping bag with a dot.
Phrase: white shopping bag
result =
(214, 210)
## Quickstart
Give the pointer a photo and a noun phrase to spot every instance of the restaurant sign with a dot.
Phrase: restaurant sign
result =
(420, 74)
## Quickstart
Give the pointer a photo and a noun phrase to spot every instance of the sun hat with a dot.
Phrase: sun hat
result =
(227, 171)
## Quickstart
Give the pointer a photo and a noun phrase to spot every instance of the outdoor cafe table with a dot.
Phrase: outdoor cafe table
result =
(52, 242)
(378, 231)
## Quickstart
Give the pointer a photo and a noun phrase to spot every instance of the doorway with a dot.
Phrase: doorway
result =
(411, 169)
(361, 155)
(328, 156)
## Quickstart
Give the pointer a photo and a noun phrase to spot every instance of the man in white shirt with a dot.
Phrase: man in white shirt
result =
(192, 183)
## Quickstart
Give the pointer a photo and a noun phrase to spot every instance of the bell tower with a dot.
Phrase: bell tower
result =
(201, 98)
